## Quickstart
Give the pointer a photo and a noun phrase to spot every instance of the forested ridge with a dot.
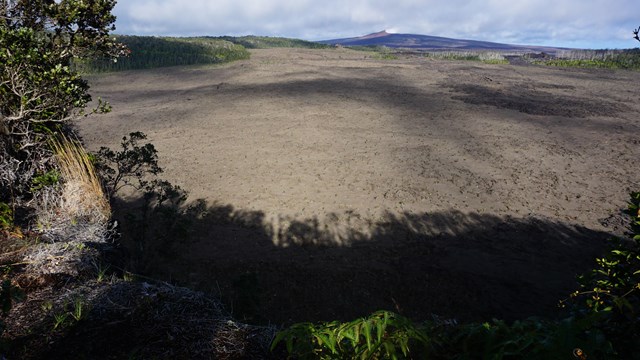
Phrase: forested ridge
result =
(265, 42)
(146, 52)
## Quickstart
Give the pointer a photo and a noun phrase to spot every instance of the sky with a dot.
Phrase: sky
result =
(587, 24)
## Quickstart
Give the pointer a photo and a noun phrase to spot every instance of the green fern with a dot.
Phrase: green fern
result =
(382, 335)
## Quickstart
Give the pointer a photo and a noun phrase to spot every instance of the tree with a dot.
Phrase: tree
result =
(39, 91)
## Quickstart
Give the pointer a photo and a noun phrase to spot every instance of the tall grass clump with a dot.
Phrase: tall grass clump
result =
(81, 198)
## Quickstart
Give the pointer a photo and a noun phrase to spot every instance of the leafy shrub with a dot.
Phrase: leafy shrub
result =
(531, 338)
(156, 201)
(131, 166)
(50, 178)
(383, 335)
(609, 294)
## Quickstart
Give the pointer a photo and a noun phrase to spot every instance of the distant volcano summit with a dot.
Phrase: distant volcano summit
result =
(375, 35)
(427, 42)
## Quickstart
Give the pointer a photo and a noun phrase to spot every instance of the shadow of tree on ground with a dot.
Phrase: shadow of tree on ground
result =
(452, 264)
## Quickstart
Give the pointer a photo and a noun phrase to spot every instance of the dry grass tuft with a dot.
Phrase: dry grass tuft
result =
(83, 198)
(77, 209)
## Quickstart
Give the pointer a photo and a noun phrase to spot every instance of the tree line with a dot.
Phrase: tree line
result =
(147, 52)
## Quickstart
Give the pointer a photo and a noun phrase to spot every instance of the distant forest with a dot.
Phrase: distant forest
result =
(147, 52)
(265, 42)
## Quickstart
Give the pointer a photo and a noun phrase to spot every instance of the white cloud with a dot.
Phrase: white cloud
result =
(594, 23)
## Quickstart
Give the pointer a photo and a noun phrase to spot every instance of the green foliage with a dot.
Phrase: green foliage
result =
(606, 59)
(531, 339)
(379, 52)
(488, 57)
(59, 320)
(130, 166)
(101, 271)
(50, 178)
(146, 52)
(371, 48)
(48, 74)
(610, 293)
(266, 42)
(385, 55)
(454, 56)
(6, 216)
(79, 310)
(383, 335)
(70, 314)
(38, 40)
(496, 61)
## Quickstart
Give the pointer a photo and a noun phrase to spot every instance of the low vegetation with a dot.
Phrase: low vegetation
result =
(386, 53)
(378, 52)
(489, 57)
(383, 335)
(602, 59)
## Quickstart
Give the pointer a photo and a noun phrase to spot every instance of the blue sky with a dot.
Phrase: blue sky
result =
(570, 23)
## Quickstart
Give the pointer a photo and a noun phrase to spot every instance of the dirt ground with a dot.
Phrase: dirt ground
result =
(338, 184)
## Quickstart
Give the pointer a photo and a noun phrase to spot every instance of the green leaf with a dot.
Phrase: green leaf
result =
(380, 327)
(367, 333)
(326, 340)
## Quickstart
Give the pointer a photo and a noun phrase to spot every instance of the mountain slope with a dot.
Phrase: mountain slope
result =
(413, 41)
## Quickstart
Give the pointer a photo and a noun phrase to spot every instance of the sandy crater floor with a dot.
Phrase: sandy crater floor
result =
(339, 184)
